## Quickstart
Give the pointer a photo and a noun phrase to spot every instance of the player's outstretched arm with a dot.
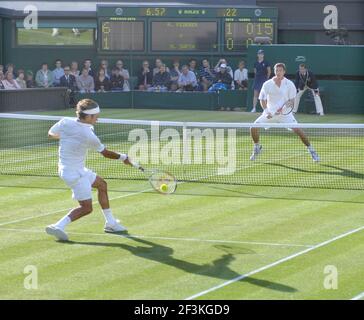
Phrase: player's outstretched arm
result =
(115, 156)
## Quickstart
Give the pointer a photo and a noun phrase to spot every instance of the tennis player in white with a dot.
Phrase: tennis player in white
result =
(273, 95)
(76, 136)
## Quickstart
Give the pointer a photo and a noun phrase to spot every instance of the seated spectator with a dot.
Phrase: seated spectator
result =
(187, 80)
(30, 80)
(223, 77)
(228, 69)
(11, 68)
(116, 80)
(85, 83)
(74, 69)
(44, 77)
(206, 75)
(1, 68)
(241, 77)
(87, 63)
(20, 79)
(192, 64)
(124, 73)
(175, 74)
(9, 82)
(161, 80)
(2, 77)
(104, 64)
(58, 72)
(145, 76)
(102, 82)
(158, 63)
(68, 80)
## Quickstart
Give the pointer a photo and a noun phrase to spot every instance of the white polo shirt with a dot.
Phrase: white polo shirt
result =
(75, 139)
(277, 96)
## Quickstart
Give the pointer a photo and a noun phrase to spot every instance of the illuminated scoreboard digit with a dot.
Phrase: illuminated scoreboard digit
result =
(122, 35)
(238, 35)
(174, 29)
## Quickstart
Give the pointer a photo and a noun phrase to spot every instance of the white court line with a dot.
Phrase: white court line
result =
(67, 209)
(358, 297)
(131, 236)
(271, 265)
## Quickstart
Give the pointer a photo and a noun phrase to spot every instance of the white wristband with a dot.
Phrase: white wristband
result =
(123, 156)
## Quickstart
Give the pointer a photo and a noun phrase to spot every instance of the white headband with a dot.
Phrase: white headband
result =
(92, 111)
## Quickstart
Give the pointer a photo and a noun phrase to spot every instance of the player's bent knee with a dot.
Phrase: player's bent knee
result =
(86, 207)
(87, 210)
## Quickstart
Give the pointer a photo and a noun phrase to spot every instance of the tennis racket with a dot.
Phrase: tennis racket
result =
(286, 108)
(161, 181)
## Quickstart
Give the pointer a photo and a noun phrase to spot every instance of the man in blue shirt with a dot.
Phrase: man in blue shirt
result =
(187, 80)
(262, 71)
(206, 75)
(58, 73)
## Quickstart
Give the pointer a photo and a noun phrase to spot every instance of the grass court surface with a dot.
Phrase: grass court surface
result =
(206, 241)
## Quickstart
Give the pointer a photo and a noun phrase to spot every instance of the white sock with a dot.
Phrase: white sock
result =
(108, 216)
(310, 148)
(62, 223)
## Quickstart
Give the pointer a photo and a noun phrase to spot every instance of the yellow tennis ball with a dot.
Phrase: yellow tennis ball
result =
(163, 187)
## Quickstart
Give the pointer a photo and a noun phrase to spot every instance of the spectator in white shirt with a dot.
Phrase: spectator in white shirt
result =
(9, 82)
(241, 77)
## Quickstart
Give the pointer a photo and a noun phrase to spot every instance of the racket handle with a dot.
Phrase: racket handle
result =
(136, 165)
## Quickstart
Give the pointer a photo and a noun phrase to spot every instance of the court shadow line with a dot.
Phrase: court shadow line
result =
(218, 268)
(243, 194)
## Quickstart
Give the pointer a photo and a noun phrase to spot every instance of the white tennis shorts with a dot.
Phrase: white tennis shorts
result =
(280, 118)
(80, 182)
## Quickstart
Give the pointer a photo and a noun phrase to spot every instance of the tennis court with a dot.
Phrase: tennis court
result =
(275, 228)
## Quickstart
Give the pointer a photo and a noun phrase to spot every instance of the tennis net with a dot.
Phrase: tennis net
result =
(197, 151)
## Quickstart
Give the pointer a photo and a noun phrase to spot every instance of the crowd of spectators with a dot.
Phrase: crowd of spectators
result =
(103, 78)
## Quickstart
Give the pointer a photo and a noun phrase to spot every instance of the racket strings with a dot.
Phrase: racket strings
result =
(163, 182)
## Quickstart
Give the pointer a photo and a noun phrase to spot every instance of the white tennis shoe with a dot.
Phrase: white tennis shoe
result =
(57, 232)
(256, 151)
(116, 227)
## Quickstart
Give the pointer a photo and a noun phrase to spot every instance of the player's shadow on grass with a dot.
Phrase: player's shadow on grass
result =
(339, 171)
(218, 268)
(251, 195)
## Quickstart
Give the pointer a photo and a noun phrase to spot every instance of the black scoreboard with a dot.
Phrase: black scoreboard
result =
(183, 29)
